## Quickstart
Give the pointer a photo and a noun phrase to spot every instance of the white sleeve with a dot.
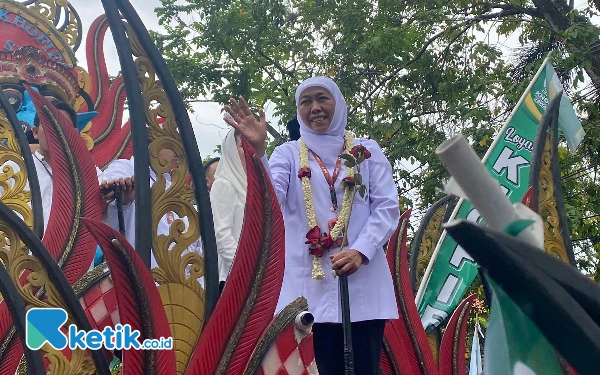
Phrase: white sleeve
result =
(222, 198)
(119, 168)
(279, 169)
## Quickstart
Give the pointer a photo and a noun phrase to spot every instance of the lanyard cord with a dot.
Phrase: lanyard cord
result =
(331, 180)
(44, 165)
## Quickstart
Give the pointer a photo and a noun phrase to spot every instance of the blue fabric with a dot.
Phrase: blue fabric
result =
(27, 111)
(99, 257)
(84, 118)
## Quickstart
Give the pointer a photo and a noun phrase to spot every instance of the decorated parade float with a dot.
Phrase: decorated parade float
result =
(238, 332)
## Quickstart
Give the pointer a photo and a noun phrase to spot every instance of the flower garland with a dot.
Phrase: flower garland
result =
(318, 243)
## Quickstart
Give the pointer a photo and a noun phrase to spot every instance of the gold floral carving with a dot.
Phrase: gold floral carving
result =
(554, 242)
(85, 82)
(13, 175)
(16, 258)
(178, 269)
(13, 182)
(433, 337)
(431, 235)
(48, 9)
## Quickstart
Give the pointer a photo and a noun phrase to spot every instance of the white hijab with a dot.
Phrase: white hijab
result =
(230, 166)
(327, 145)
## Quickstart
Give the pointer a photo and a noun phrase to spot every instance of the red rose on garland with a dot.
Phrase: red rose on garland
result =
(319, 242)
(304, 172)
(360, 150)
(316, 250)
(326, 241)
(313, 236)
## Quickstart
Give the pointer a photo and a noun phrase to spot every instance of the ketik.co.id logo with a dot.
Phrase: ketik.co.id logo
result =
(44, 325)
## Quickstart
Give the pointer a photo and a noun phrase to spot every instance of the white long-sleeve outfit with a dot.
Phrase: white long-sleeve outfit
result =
(44, 173)
(228, 201)
(372, 222)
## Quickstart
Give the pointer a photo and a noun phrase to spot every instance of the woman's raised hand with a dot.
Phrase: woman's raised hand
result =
(246, 123)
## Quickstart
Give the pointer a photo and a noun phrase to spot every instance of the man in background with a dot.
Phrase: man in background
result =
(293, 128)
(209, 171)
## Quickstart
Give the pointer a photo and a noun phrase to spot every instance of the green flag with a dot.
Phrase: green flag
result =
(452, 270)
(513, 343)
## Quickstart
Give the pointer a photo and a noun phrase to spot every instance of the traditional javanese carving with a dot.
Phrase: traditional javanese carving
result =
(18, 262)
(554, 243)
(431, 235)
(13, 176)
(182, 294)
(433, 337)
(69, 31)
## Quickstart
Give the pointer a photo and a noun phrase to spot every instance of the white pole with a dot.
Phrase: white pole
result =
(427, 275)
(482, 190)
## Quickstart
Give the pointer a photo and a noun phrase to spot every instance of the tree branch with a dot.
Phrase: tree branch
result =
(200, 101)
(279, 67)
(279, 139)
(511, 7)
(428, 42)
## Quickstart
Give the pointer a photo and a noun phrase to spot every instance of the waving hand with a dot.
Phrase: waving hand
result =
(246, 123)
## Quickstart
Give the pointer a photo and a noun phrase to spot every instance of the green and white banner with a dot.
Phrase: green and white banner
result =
(451, 270)
(513, 343)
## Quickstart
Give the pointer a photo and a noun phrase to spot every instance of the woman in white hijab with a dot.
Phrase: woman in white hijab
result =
(314, 160)
(228, 200)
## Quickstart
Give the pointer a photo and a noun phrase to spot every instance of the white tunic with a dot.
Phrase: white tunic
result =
(44, 173)
(123, 168)
(373, 221)
(228, 216)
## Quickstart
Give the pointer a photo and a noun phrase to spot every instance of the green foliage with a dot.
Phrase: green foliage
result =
(412, 72)
(406, 90)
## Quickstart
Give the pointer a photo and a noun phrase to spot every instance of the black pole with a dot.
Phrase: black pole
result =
(184, 125)
(346, 326)
(139, 134)
(56, 277)
(119, 200)
(32, 178)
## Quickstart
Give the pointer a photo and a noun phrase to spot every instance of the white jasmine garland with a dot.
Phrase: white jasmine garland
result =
(317, 272)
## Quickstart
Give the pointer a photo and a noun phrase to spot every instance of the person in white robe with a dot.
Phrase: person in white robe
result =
(43, 164)
(322, 114)
(228, 201)
(121, 172)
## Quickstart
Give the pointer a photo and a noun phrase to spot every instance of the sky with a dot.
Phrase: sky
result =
(207, 119)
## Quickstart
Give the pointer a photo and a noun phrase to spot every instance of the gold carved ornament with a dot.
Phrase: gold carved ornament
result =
(433, 337)
(178, 270)
(48, 9)
(15, 256)
(13, 181)
(429, 239)
(85, 83)
(554, 243)
(17, 260)
(13, 175)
